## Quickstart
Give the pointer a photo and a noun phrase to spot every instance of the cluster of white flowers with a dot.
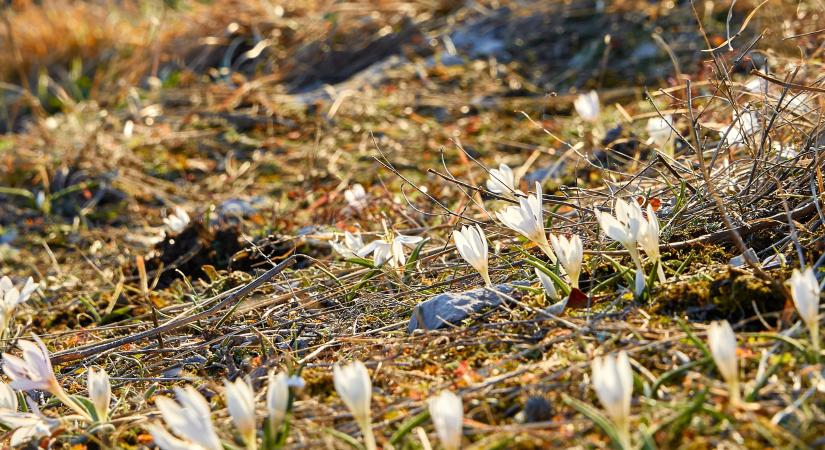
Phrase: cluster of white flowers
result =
(34, 372)
(353, 384)
(632, 229)
(10, 298)
(177, 221)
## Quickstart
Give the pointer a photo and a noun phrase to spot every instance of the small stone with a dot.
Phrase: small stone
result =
(451, 307)
(740, 261)
(537, 409)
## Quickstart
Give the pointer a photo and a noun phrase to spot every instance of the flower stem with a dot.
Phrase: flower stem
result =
(735, 396)
(369, 437)
(660, 271)
(64, 397)
(623, 428)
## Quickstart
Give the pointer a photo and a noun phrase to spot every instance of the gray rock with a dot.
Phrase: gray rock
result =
(740, 261)
(453, 307)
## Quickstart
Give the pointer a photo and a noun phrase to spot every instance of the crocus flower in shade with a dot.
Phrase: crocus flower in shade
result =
(472, 245)
(11, 297)
(639, 284)
(166, 441)
(587, 106)
(613, 383)
(649, 240)
(527, 219)
(34, 371)
(177, 221)
(26, 426)
(277, 399)
(353, 384)
(502, 180)
(356, 197)
(805, 292)
(548, 285)
(722, 343)
(447, 414)
(240, 401)
(8, 398)
(390, 249)
(624, 227)
(190, 419)
(350, 247)
(100, 391)
(570, 253)
(660, 130)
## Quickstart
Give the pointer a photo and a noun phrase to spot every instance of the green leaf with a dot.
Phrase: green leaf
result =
(408, 426)
(676, 372)
(538, 264)
(87, 405)
(343, 437)
(414, 256)
(698, 342)
(361, 262)
(597, 417)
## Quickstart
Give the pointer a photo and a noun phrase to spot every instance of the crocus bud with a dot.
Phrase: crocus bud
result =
(100, 392)
(722, 342)
(277, 399)
(805, 293)
(613, 382)
(472, 246)
(447, 413)
(240, 401)
(353, 384)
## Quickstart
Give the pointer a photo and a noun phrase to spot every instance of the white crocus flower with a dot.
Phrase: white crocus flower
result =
(100, 392)
(166, 441)
(296, 382)
(527, 219)
(805, 292)
(548, 285)
(277, 399)
(722, 343)
(26, 426)
(660, 130)
(8, 398)
(639, 284)
(11, 297)
(624, 227)
(472, 245)
(649, 240)
(447, 414)
(390, 249)
(190, 419)
(613, 383)
(34, 371)
(178, 221)
(350, 247)
(502, 180)
(570, 253)
(240, 401)
(587, 106)
(356, 197)
(353, 384)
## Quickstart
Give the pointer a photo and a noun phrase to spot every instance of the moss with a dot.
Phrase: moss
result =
(727, 292)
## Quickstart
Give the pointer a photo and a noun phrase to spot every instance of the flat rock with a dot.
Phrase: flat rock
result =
(453, 307)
